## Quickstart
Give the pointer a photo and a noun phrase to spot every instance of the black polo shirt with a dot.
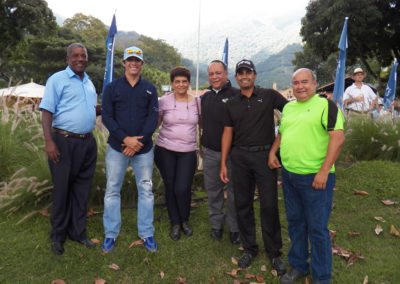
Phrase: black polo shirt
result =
(252, 118)
(212, 111)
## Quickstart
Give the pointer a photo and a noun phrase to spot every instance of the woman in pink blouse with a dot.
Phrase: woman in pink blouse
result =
(175, 150)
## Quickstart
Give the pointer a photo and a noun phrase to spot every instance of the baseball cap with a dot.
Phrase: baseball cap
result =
(358, 70)
(133, 51)
(245, 64)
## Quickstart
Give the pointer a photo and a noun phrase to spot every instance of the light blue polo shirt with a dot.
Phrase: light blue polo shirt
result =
(72, 101)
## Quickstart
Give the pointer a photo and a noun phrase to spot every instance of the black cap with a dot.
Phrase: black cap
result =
(245, 64)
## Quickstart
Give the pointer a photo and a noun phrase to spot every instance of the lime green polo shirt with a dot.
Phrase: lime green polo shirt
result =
(304, 133)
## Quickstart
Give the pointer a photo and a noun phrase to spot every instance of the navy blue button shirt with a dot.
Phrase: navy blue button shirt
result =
(130, 111)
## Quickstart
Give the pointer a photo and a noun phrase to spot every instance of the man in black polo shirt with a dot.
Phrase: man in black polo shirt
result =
(212, 109)
(249, 131)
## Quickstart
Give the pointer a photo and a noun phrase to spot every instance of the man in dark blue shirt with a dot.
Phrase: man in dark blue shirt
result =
(130, 113)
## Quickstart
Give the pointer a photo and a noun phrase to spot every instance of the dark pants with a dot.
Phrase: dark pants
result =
(248, 170)
(72, 179)
(307, 212)
(177, 170)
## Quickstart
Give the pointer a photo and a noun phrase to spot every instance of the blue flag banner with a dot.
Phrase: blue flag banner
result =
(109, 69)
(225, 53)
(390, 91)
(338, 89)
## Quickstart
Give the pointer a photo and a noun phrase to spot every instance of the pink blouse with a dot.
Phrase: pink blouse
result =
(178, 123)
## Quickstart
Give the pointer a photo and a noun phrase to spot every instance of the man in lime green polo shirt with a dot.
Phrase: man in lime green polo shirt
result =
(310, 139)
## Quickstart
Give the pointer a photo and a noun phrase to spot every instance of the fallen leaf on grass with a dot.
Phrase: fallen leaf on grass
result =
(263, 268)
(136, 243)
(181, 280)
(91, 212)
(365, 279)
(240, 248)
(236, 281)
(360, 192)
(114, 266)
(95, 241)
(332, 234)
(234, 260)
(194, 205)
(99, 281)
(234, 272)
(274, 273)
(249, 276)
(58, 281)
(44, 212)
(378, 229)
(260, 278)
(162, 274)
(353, 258)
(394, 231)
(337, 250)
(353, 234)
(388, 202)
(378, 218)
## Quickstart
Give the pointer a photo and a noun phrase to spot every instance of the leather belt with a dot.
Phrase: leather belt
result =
(67, 134)
(255, 148)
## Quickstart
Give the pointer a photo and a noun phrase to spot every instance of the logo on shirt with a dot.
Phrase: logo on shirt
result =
(225, 100)
(149, 92)
(260, 100)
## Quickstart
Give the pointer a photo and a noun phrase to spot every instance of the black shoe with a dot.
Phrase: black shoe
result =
(87, 243)
(278, 265)
(292, 276)
(235, 238)
(175, 233)
(57, 248)
(187, 230)
(245, 260)
(216, 234)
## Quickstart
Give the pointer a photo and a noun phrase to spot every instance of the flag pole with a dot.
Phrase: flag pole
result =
(198, 51)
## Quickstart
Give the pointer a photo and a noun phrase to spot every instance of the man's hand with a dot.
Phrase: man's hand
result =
(52, 151)
(127, 151)
(223, 174)
(133, 142)
(273, 161)
(320, 179)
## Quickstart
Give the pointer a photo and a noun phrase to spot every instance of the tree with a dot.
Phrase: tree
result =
(373, 30)
(20, 19)
(92, 30)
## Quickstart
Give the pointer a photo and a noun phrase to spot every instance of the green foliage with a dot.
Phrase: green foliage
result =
(373, 33)
(19, 19)
(91, 29)
(367, 139)
(159, 53)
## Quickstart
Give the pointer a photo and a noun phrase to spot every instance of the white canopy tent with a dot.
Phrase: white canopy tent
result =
(30, 90)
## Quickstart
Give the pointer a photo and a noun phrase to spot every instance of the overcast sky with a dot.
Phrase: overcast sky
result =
(161, 18)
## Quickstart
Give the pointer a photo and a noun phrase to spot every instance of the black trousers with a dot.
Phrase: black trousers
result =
(177, 170)
(72, 179)
(248, 170)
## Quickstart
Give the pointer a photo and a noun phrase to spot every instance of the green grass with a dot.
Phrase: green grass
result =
(25, 255)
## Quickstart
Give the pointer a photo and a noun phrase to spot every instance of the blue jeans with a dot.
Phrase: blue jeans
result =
(307, 212)
(116, 165)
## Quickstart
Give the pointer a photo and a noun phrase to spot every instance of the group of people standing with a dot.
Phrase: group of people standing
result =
(239, 148)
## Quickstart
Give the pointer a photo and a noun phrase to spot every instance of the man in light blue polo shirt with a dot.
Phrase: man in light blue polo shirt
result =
(68, 117)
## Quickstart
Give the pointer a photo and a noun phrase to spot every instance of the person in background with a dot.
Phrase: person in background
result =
(248, 135)
(359, 99)
(311, 137)
(130, 113)
(175, 150)
(68, 118)
(212, 106)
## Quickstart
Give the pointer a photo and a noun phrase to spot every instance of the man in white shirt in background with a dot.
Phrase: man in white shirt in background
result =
(359, 98)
